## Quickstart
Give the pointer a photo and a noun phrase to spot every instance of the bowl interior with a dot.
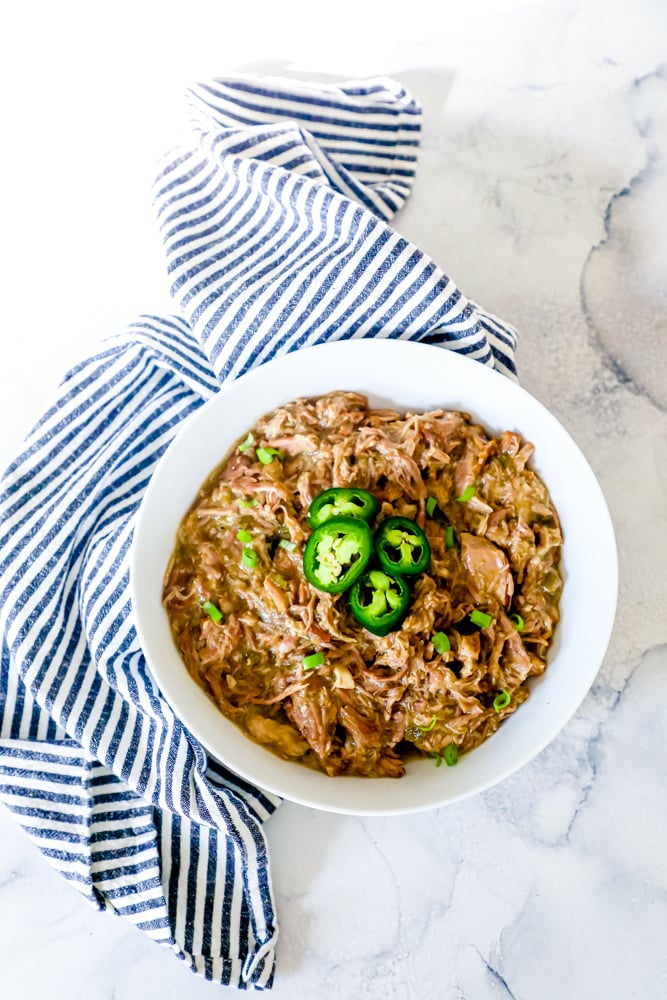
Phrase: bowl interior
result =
(404, 376)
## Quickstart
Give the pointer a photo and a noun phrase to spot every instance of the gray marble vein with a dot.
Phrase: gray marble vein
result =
(623, 293)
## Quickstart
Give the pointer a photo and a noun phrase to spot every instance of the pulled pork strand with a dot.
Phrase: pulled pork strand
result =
(374, 702)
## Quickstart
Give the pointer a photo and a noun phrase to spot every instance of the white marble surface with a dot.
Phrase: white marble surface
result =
(542, 190)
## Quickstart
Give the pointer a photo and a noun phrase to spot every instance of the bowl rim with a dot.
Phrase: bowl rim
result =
(323, 359)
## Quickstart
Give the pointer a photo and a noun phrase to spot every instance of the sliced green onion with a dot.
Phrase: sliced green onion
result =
(249, 503)
(249, 557)
(285, 543)
(266, 455)
(451, 754)
(431, 725)
(518, 622)
(243, 536)
(215, 614)
(438, 759)
(431, 506)
(501, 700)
(449, 537)
(248, 443)
(441, 643)
(467, 494)
(312, 661)
(480, 618)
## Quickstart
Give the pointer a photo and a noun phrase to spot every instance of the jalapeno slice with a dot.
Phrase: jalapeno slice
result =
(337, 553)
(380, 601)
(402, 547)
(342, 501)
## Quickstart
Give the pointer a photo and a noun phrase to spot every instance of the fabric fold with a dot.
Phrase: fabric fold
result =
(274, 216)
(147, 828)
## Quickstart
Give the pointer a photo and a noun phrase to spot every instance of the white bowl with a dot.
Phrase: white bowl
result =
(405, 376)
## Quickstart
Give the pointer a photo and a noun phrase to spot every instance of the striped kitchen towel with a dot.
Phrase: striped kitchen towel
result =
(274, 221)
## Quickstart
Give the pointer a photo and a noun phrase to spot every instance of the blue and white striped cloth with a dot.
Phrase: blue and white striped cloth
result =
(274, 220)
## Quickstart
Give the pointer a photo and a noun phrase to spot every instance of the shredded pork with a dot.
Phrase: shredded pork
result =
(375, 702)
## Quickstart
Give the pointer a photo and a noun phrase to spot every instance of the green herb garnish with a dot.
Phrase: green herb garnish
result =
(249, 557)
(248, 443)
(214, 613)
(312, 661)
(467, 494)
(441, 643)
(501, 700)
(480, 618)
(266, 455)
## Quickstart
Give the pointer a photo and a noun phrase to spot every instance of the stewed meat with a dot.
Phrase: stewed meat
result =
(247, 622)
